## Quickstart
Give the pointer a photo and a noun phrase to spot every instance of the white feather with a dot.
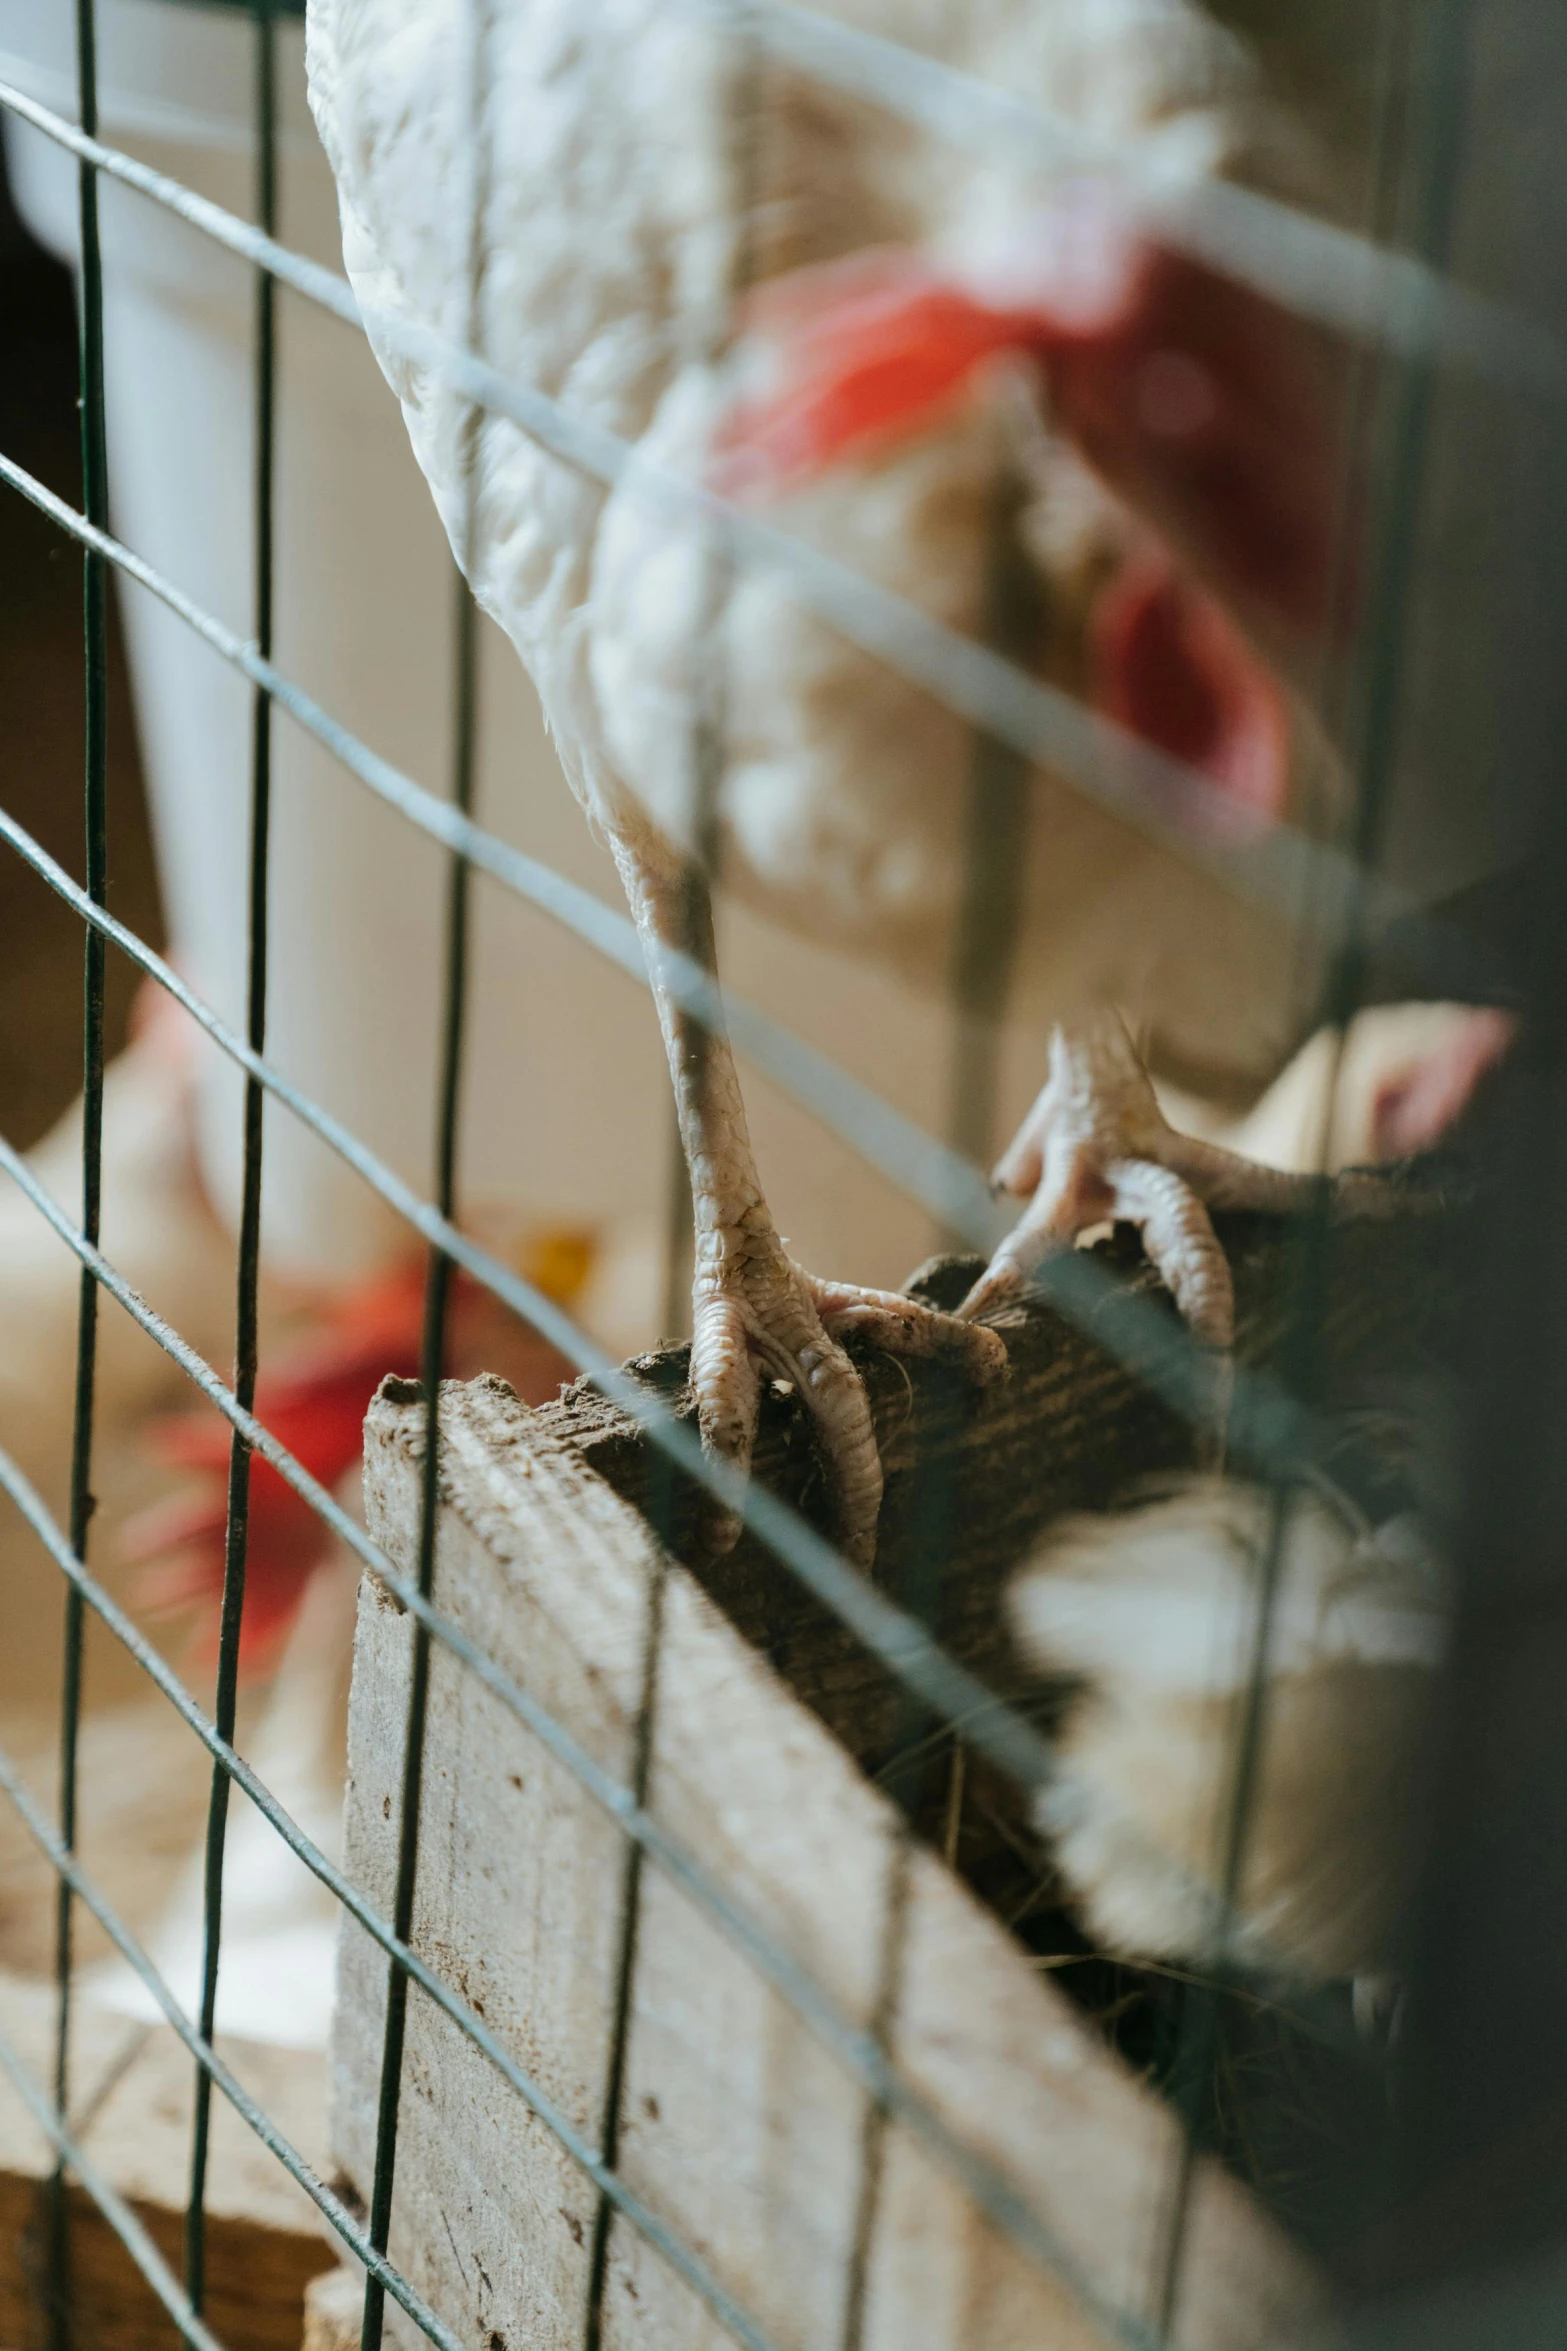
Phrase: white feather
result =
(1160, 1612)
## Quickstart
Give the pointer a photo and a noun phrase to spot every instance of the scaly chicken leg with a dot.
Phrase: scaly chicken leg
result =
(753, 1310)
(1096, 1147)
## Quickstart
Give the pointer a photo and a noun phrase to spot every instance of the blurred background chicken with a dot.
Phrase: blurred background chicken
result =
(1161, 1615)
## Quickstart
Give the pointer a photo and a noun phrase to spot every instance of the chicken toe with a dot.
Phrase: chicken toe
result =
(1096, 1149)
(762, 1317)
(903, 1326)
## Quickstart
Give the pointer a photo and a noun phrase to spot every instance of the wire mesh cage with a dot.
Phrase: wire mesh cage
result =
(1062, 504)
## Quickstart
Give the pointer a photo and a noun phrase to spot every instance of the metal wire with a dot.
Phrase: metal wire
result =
(974, 1726)
(330, 2206)
(1147, 1341)
(990, 2189)
(1160, 1351)
(855, 2050)
(886, 1631)
(627, 1942)
(432, 1351)
(95, 710)
(129, 2230)
(248, 1269)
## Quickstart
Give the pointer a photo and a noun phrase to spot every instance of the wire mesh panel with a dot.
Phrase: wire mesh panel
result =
(1093, 533)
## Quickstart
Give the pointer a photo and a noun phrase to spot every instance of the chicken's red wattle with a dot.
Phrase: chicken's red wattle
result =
(1168, 665)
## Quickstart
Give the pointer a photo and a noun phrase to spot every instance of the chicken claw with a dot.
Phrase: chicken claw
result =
(762, 1315)
(1096, 1149)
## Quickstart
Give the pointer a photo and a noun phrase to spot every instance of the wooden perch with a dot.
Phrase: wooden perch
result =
(733, 2122)
(972, 1481)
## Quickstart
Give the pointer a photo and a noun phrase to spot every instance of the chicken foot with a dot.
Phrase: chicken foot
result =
(754, 1312)
(1097, 1149)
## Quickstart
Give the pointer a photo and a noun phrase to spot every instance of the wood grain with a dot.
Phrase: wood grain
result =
(733, 2122)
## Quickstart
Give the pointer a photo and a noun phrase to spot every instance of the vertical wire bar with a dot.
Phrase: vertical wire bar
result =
(1405, 439)
(873, 2128)
(95, 504)
(437, 1300)
(247, 1274)
(708, 759)
(439, 1272)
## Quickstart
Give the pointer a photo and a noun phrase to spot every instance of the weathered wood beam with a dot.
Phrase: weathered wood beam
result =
(973, 1479)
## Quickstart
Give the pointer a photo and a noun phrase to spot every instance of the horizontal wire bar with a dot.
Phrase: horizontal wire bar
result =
(858, 2051)
(255, 2116)
(1272, 1433)
(138, 2244)
(1312, 266)
(1176, 805)
(686, 2264)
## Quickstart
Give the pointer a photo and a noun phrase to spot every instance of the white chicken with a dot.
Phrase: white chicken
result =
(626, 163)
(1161, 1614)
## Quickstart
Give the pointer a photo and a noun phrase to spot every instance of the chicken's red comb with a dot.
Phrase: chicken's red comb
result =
(869, 350)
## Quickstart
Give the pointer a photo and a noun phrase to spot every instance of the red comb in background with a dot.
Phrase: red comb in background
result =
(869, 349)
(314, 1402)
(1168, 665)
(1199, 400)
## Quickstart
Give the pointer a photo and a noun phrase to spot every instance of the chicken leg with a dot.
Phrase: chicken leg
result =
(754, 1311)
(1097, 1148)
